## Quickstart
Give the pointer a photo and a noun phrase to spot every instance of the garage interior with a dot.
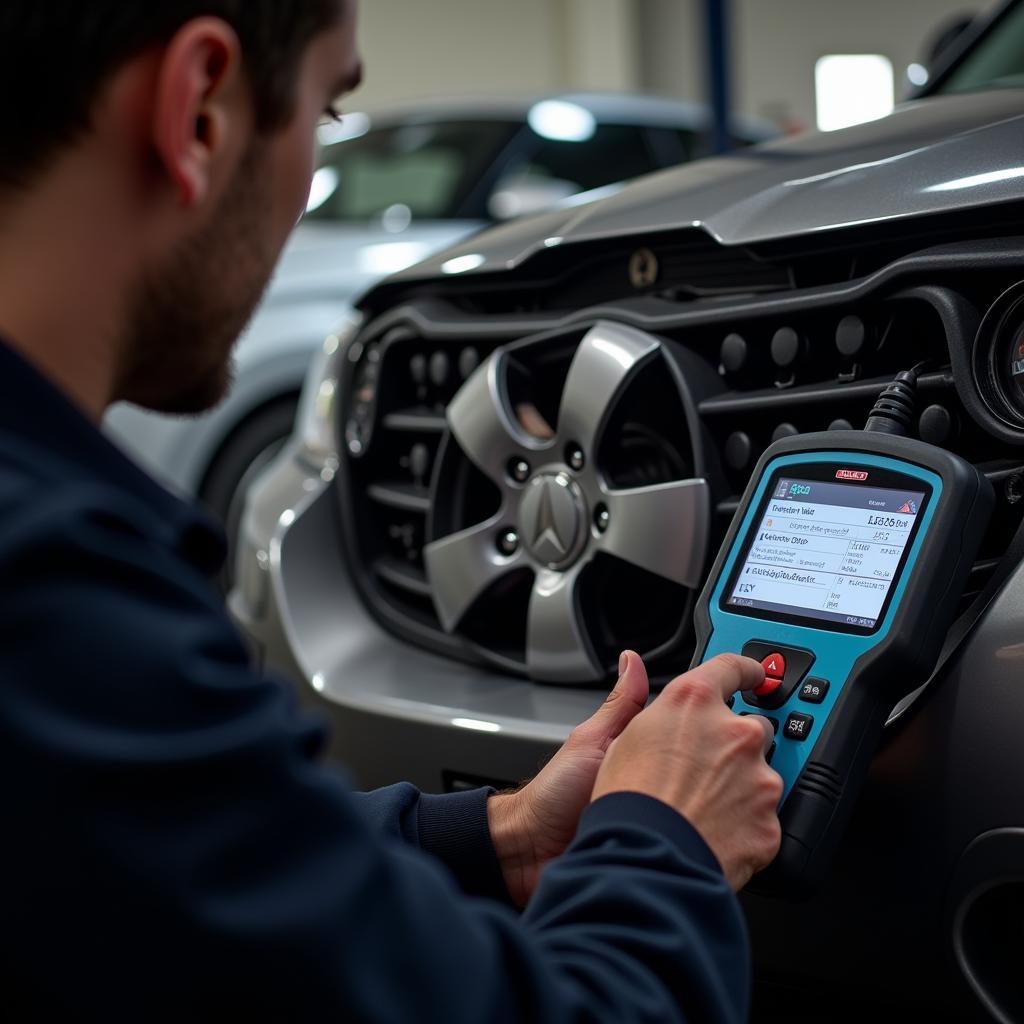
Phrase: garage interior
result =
(594, 590)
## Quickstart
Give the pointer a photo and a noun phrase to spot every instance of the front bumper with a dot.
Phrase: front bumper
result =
(397, 712)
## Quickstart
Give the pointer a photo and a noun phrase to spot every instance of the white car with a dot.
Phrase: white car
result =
(391, 189)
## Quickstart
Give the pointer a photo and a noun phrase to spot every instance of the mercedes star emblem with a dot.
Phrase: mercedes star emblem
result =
(546, 529)
(549, 519)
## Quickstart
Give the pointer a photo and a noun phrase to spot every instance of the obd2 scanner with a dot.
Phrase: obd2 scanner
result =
(841, 574)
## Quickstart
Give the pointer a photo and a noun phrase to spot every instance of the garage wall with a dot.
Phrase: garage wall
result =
(414, 48)
(671, 38)
(454, 47)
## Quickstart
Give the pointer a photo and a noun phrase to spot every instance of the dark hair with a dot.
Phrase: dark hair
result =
(56, 54)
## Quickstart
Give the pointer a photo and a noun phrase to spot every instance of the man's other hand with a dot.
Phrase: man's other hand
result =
(535, 824)
(689, 751)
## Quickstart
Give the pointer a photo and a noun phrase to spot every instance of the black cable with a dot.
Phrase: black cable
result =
(893, 410)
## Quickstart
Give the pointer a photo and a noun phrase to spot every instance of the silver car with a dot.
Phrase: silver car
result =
(450, 564)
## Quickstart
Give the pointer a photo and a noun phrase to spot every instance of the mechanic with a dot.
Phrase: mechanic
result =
(172, 848)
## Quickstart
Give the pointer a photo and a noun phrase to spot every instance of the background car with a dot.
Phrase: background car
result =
(774, 292)
(391, 188)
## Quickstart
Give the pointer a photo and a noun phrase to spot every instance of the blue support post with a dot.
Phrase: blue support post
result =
(716, 17)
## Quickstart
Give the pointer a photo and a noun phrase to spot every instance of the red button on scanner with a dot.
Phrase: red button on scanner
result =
(769, 685)
(774, 666)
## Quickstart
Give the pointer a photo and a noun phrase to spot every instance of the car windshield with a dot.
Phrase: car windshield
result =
(996, 62)
(409, 171)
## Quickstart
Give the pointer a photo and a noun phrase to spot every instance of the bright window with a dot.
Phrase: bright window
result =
(851, 88)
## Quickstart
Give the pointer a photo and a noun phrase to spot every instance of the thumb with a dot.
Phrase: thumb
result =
(623, 704)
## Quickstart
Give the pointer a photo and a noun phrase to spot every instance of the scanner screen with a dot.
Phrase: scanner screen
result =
(826, 550)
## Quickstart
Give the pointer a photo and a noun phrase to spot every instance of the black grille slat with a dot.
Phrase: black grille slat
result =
(731, 403)
(703, 270)
(404, 575)
(406, 497)
(415, 421)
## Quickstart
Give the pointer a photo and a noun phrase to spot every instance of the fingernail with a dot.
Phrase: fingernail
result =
(623, 662)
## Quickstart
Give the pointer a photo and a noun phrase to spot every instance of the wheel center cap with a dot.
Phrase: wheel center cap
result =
(551, 520)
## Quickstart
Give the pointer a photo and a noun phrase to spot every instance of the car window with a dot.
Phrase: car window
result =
(613, 153)
(424, 168)
(997, 60)
(672, 145)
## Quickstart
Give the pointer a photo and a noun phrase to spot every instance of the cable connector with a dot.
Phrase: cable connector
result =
(894, 408)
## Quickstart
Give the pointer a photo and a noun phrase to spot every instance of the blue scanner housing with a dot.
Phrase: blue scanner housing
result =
(835, 653)
(871, 646)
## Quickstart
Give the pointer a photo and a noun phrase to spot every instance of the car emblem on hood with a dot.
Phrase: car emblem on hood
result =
(643, 268)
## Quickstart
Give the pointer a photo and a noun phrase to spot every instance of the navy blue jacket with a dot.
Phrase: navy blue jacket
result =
(172, 849)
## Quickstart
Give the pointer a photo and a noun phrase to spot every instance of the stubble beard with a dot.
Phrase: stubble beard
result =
(189, 312)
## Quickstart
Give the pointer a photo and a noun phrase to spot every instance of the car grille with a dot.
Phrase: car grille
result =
(727, 379)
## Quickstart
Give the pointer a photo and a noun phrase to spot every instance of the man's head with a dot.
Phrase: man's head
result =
(192, 124)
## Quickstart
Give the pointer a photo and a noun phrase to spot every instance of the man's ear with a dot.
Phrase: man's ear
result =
(202, 106)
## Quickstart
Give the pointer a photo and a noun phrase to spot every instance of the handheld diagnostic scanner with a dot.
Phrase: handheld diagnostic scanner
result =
(841, 574)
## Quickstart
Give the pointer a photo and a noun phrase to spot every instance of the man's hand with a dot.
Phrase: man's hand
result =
(535, 824)
(688, 750)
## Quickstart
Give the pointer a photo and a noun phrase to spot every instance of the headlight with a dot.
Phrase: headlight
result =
(316, 424)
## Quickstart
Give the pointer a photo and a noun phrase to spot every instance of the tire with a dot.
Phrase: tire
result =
(246, 452)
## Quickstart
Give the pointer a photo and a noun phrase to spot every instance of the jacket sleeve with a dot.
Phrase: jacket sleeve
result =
(173, 844)
(450, 826)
